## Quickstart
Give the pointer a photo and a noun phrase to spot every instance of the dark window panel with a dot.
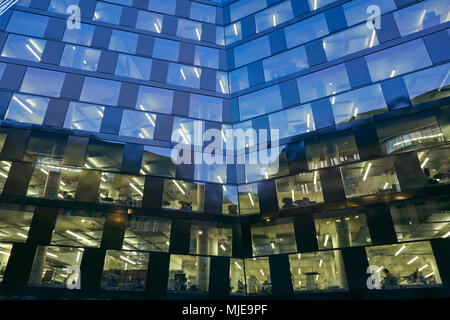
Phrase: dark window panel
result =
(12, 77)
(438, 45)
(111, 120)
(56, 113)
(315, 53)
(42, 225)
(88, 184)
(180, 235)
(389, 29)
(107, 62)
(277, 41)
(335, 19)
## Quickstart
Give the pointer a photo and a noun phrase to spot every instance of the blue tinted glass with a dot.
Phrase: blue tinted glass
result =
(252, 51)
(154, 99)
(166, 49)
(316, 4)
(83, 116)
(356, 11)
(203, 12)
(184, 75)
(149, 21)
(357, 104)
(25, 108)
(137, 124)
(242, 8)
(285, 63)
(106, 12)
(273, 16)
(398, 60)
(43, 82)
(233, 32)
(323, 83)
(2, 69)
(27, 23)
(183, 130)
(60, 6)
(163, 6)
(238, 80)
(206, 57)
(123, 41)
(306, 30)
(292, 121)
(267, 100)
(80, 36)
(222, 82)
(20, 47)
(100, 91)
(205, 107)
(80, 58)
(133, 67)
(189, 29)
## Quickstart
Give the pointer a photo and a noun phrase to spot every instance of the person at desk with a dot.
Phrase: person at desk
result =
(67, 196)
(389, 280)
(430, 181)
(185, 206)
(287, 203)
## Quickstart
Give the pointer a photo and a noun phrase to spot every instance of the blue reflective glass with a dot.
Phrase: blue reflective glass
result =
(149, 21)
(273, 16)
(292, 121)
(60, 6)
(267, 100)
(25, 108)
(85, 117)
(306, 30)
(398, 60)
(316, 4)
(205, 107)
(238, 80)
(100, 91)
(323, 83)
(185, 76)
(233, 32)
(203, 12)
(43, 82)
(166, 49)
(222, 84)
(163, 6)
(189, 29)
(206, 57)
(154, 99)
(251, 51)
(285, 63)
(243, 8)
(24, 48)
(123, 41)
(356, 11)
(80, 58)
(183, 131)
(106, 12)
(133, 67)
(137, 124)
(80, 36)
(27, 24)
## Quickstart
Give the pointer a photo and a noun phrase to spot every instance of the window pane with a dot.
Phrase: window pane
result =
(273, 16)
(248, 199)
(123, 41)
(133, 67)
(47, 148)
(154, 99)
(27, 24)
(185, 76)
(137, 124)
(80, 58)
(23, 48)
(15, 221)
(60, 6)
(124, 270)
(5, 253)
(341, 230)
(104, 155)
(267, 100)
(100, 91)
(157, 161)
(83, 116)
(357, 104)
(275, 236)
(81, 36)
(292, 121)
(163, 6)
(306, 30)
(78, 228)
(206, 57)
(251, 51)
(323, 83)
(43, 82)
(437, 162)
(149, 21)
(370, 177)
(230, 204)
(205, 107)
(188, 274)
(242, 8)
(149, 234)
(238, 80)
(166, 49)
(299, 190)
(257, 271)
(121, 189)
(183, 196)
(318, 271)
(211, 238)
(356, 11)
(233, 32)
(202, 12)
(407, 265)
(285, 63)
(106, 12)
(25, 108)
(189, 29)
(237, 277)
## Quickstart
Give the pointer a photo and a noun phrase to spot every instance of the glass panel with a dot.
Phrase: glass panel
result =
(318, 271)
(341, 230)
(205, 107)
(435, 164)
(45, 147)
(277, 164)
(357, 104)
(267, 100)
(323, 83)
(106, 12)
(4, 171)
(100, 91)
(25, 108)
(166, 49)
(125, 270)
(211, 238)
(258, 278)
(189, 29)
(251, 51)
(243, 8)
(149, 234)
(273, 16)
(293, 121)
(306, 30)
(154, 99)
(316, 4)
(184, 129)
(185, 76)
(188, 274)
(15, 221)
(237, 277)
(238, 79)
(23, 48)
(230, 205)
(5, 252)
(27, 23)
(138, 124)
(81, 36)
(50, 266)
(202, 12)
(370, 177)
(300, 190)
(285, 63)
(182, 195)
(133, 67)
(331, 151)
(104, 155)
(423, 220)
(163, 6)
(80, 58)
(60, 6)
(206, 57)
(398, 60)
(157, 161)
(121, 189)
(428, 85)
(123, 41)
(233, 32)
(406, 265)
(42, 82)
(356, 11)
(149, 21)
(274, 236)
(248, 199)
(82, 116)
(53, 182)
(78, 228)
(403, 136)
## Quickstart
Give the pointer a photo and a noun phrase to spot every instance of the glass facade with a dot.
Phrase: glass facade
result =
(120, 146)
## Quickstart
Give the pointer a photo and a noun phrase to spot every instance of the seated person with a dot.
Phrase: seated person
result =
(232, 210)
(287, 203)
(185, 206)
(67, 196)
(389, 281)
